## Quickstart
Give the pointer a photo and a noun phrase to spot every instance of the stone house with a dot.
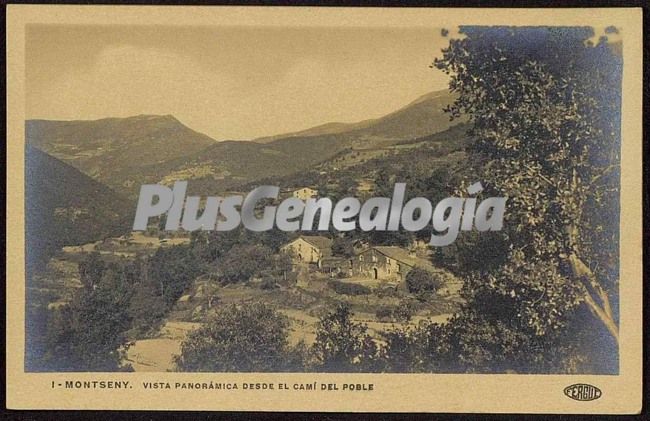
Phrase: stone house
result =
(391, 264)
(309, 249)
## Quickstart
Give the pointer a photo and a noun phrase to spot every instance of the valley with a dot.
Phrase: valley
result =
(411, 145)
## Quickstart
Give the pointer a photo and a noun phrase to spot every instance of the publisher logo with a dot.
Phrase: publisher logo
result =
(582, 392)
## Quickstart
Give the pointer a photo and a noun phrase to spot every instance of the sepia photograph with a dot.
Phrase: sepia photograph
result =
(294, 205)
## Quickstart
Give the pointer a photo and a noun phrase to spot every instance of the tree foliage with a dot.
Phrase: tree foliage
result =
(171, 270)
(89, 334)
(544, 106)
(250, 337)
(343, 246)
(91, 269)
(342, 345)
(245, 261)
(419, 281)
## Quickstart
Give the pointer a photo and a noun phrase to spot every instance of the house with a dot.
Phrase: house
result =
(309, 249)
(304, 193)
(391, 264)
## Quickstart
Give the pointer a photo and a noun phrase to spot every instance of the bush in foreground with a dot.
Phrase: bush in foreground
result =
(250, 337)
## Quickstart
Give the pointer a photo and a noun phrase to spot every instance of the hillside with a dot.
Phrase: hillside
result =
(422, 117)
(322, 129)
(361, 168)
(65, 207)
(126, 153)
(419, 118)
(116, 150)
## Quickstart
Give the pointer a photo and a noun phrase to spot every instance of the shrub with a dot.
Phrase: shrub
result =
(342, 345)
(387, 291)
(384, 313)
(250, 337)
(268, 283)
(348, 288)
(403, 313)
(420, 281)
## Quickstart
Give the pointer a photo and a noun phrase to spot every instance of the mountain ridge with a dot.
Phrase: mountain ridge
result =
(124, 153)
(340, 127)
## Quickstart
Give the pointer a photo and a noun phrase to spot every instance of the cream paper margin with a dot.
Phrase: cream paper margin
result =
(393, 392)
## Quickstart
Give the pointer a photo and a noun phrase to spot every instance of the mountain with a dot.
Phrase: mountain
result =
(422, 117)
(229, 165)
(419, 118)
(66, 207)
(362, 168)
(126, 153)
(115, 150)
(323, 129)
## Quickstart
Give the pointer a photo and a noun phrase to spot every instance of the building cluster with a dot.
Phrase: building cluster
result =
(390, 264)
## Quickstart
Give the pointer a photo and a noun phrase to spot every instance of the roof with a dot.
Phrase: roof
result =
(319, 241)
(402, 255)
(324, 244)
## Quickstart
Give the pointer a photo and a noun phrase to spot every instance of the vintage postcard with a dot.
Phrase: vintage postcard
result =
(324, 209)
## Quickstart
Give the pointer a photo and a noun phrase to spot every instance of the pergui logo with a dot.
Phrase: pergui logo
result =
(582, 392)
(449, 216)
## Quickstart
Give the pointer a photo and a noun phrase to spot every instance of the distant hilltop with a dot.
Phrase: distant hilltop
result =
(124, 153)
(395, 119)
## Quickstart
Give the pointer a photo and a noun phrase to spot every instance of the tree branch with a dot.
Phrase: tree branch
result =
(604, 313)
(609, 323)
(582, 271)
(603, 173)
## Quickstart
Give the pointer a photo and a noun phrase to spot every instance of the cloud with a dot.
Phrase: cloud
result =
(234, 83)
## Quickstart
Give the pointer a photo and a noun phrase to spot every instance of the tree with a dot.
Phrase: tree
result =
(172, 270)
(250, 337)
(342, 345)
(421, 281)
(243, 262)
(544, 104)
(99, 321)
(343, 246)
(213, 245)
(89, 334)
(91, 270)
(281, 266)
(162, 221)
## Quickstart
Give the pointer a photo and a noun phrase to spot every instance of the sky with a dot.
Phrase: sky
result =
(229, 82)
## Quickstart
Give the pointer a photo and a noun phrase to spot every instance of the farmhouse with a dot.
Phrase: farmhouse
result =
(388, 263)
(304, 193)
(309, 249)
